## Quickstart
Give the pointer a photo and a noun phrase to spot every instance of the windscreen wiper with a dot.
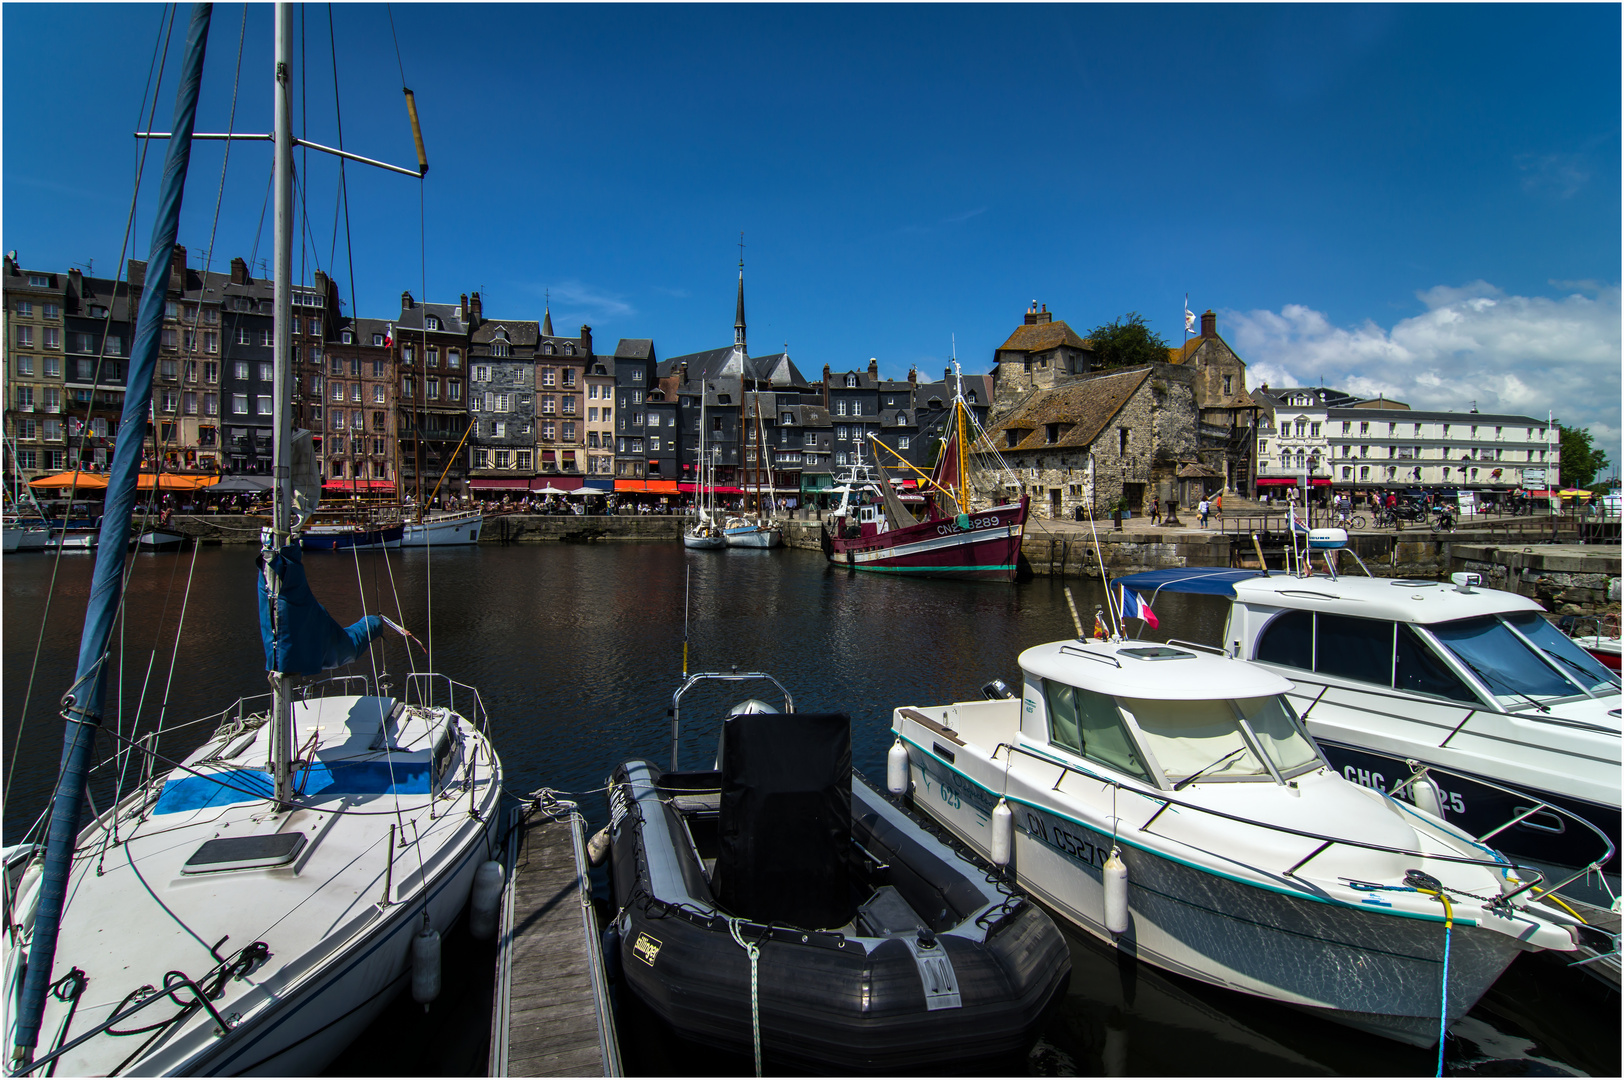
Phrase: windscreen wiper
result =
(1492, 683)
(1193, 777)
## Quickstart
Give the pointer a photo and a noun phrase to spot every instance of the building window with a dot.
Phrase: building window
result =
(548, 431)
(431, 323)
(498, 429)
(432, 354)
(548, 377)
(379, 394)
(264, 404)
(1314, 431)
(239, 404)
(25, 337)
(569, 431)
(433, 389)
(454, 389)
(453, 359)
(637, 375)
(408, 354)
(902, 442)
(482, 458)
(521, 460)
(211, 404)
(569, 377)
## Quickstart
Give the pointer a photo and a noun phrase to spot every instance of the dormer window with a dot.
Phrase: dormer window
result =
(549, 350)
(1051, 433)
(970, 397)
(569, 350)
(377, 341)
(347, 338)
(499, 348)
(431, 323)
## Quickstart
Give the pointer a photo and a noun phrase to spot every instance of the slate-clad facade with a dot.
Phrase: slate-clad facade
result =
(431, 349)
(501, 397)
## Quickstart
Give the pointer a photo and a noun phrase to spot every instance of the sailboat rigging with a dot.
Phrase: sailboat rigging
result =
(369, 827)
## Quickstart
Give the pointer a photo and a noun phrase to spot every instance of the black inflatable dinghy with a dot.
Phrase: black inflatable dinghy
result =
(878, 945)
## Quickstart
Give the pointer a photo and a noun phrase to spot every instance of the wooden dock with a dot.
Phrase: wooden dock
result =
(552, 1014)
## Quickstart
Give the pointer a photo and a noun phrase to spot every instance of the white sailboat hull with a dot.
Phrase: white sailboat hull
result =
(460, 528)
(753, 536)
(338, 950)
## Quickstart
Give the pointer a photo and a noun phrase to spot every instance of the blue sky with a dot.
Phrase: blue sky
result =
(1417, 200)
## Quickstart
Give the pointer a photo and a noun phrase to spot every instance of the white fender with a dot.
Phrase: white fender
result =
(1426, 796)
(1003, 833)
(486, 900)
(426, 964)
(1115, 880)
(896, 769)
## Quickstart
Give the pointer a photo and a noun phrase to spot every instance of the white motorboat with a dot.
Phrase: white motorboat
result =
(1168, 800)
(1516, 727)
(220, 915)
(705, 534)
(21, 535)
(441, 529)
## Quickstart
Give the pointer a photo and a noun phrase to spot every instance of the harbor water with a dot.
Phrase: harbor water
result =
(576, 650)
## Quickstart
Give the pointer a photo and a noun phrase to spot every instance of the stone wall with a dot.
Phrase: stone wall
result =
(1566, 579)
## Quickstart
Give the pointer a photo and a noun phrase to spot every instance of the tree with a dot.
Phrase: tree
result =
(1581, 461)
(1127, 342)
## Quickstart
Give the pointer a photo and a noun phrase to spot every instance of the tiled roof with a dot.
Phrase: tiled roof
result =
(1194, 471)
(1083, 409)
(519, 331)
(634, 348)
(1040, 336)
(450, 323)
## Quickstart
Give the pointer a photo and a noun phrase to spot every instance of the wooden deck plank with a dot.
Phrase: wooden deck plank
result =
(555, 1022)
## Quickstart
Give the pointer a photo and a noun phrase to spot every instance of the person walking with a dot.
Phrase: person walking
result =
(1218, 507)
(1203, 510)
(1156, 510)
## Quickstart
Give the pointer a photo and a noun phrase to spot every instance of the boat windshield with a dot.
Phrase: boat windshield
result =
(1207, 738)
(1520, 657)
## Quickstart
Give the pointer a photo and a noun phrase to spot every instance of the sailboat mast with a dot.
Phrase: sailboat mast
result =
(83, 703)
(281, 408)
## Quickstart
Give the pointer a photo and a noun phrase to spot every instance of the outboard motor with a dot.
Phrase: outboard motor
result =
(785, 824)
(997, 690)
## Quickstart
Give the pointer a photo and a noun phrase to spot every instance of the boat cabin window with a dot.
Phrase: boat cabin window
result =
(1187, 737)
(1370, 650)
(1090, 724)
(1509, 664)
(1574, 661)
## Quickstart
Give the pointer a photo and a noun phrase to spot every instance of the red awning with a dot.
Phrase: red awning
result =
(501, 483)
(1291, 481)
(561, 483)
(657, 487)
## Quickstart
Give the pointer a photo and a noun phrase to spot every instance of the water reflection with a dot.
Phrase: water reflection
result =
(576, 651)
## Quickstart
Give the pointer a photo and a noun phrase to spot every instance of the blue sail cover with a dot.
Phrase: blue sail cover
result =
(1204, 580)
(303, 639)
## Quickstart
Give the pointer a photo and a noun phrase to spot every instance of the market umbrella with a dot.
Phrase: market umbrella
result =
(242, 485)
(550, 490)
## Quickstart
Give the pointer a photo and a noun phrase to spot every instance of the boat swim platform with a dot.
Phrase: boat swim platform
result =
(552, 1014)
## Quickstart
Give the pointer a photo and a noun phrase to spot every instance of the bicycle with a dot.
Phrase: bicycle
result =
(1444, 522)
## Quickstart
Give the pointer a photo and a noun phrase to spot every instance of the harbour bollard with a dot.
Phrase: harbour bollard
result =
(1003, 832)
(486, 900)
(426, 964)
(1115, 880)
(896, 769)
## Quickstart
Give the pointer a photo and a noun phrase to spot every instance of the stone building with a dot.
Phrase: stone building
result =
(1228, 414)
(503, 387)
(99, 331)
(36, 437)
(1093, 440)
(599, 382)
(431, 345)
(358, 418)
(1040, 354)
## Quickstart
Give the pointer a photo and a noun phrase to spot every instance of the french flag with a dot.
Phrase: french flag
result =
(1134, 607)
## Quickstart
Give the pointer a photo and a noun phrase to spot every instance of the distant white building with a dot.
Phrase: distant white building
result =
(1341, 442)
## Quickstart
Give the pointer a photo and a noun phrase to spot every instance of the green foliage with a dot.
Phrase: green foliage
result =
(1581, 461)
(1127, 342)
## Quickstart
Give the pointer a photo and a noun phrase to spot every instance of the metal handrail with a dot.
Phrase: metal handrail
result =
(1326, 841)
(724, 676)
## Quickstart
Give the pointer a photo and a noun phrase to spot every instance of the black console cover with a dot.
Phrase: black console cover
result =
(785, 830)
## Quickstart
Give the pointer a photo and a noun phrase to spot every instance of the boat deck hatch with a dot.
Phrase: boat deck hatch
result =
(1160, 652)
(245, 853)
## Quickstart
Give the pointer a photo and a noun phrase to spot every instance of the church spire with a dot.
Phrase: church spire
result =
(738, 320)
(547, 317)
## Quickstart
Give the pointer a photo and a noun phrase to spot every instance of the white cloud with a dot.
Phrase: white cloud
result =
(1510, 354)
(574, 299)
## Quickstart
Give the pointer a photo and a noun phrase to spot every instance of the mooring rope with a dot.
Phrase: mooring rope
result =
(753, 951)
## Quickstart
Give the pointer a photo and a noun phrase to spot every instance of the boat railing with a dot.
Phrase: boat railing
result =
(431, 689)
(1524, 873)
(720, 676)
(1521, 815)
(1471, 710)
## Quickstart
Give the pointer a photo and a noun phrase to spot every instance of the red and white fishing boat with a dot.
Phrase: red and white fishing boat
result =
(950, 532)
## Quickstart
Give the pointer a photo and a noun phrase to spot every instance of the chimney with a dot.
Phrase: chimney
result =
(1032, 313)
(586, 333)
(1209, 324)
(462, 305)
(476, 308)
(406, 303)
(239, 272)
(874, 368)
(913, 376)
(137, 273)
(177, 269)
(1044, 316)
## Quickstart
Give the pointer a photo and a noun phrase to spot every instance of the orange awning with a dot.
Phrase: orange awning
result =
(74, 478)
(172, 482)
